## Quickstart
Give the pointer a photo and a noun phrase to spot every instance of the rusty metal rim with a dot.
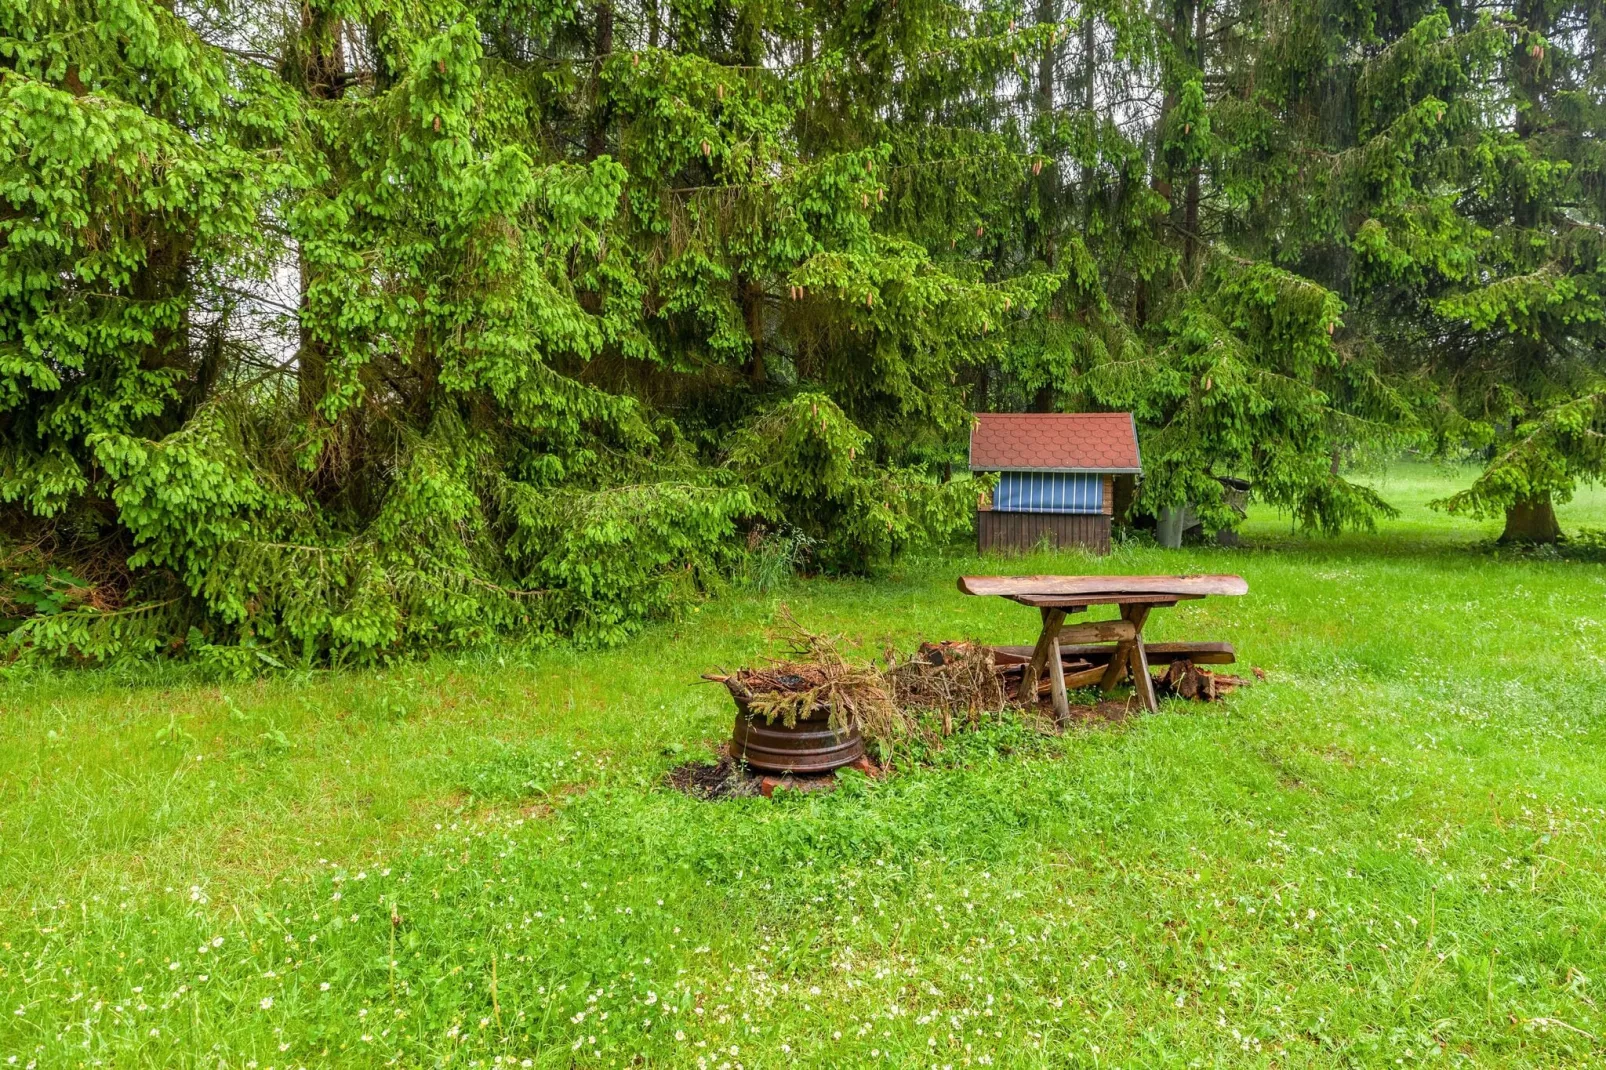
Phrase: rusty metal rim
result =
(808, 746)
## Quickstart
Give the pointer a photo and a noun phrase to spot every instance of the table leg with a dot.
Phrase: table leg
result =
(1120, 661)
(1142, 682)
(1128, 655)
(1053, 619)
(1056, 681)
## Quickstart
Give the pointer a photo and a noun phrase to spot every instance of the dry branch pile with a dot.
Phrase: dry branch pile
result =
(950, 679)
(816, 678)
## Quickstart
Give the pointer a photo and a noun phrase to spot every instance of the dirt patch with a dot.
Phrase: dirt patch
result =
(730, 778)
(725, 778)
(1106, 711)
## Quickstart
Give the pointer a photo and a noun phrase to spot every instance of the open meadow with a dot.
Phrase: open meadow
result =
(1391, 851)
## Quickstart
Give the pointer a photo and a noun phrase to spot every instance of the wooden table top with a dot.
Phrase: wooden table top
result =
(1091, 590)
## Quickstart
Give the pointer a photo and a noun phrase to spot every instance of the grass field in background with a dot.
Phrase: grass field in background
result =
(1410, 487)
(1392, 851)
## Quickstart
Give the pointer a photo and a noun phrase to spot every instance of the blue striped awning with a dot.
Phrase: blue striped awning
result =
(1049, 492)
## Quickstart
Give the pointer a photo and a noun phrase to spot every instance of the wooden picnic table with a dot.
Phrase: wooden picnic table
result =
(1057, 596)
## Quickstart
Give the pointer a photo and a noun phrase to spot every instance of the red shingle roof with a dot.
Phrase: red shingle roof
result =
(1054, 442)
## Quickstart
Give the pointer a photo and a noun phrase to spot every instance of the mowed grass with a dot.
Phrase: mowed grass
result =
(1392, 851)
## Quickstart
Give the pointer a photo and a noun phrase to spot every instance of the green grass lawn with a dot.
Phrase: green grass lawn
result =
(1392, 851)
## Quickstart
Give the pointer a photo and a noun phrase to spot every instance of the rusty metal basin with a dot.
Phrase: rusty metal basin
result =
(809, 746)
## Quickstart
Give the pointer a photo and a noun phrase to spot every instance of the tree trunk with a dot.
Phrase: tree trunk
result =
(1090, 77)
(751, 294)
(312, 358)
(386, 70)
(1531, 521)
(597, 124)
(323, 68)
(1190, 201)
(1090, 61)
(1037, 233)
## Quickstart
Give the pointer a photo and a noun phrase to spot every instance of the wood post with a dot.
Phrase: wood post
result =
(1052, 620)
(1142, 682)
(1129, 656)
(1056, 680)
(1116, 670)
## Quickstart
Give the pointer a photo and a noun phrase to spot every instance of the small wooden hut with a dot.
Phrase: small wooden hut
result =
(1057, 477)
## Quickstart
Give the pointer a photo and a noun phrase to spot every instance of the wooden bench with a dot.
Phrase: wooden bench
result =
(1207, 653)
(1112, 650)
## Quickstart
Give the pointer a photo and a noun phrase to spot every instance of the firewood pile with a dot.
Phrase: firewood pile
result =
(1015, 669)
(1184, 679)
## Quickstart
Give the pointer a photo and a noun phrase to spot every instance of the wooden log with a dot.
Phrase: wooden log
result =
(1184, 680)
(1084, 678)
(1098, 631)
(1077, 674)
(1078, 585)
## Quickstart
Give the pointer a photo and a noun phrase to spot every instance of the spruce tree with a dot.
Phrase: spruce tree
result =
(1520, 358)
(332, 329)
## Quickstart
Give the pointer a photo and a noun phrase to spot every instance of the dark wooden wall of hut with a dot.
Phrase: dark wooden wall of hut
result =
(1018, 532)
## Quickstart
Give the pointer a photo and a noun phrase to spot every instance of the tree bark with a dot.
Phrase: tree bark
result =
(597, 125)
(1531, 521)
(386, 70)
(1047, 16)
(323, 67)
(751, 293)
(1038, 233)
(1190, 201)
(1090, 62)
(312, 358)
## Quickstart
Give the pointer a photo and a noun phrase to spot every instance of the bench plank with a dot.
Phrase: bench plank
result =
(1078, 602)
(1208, 653)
